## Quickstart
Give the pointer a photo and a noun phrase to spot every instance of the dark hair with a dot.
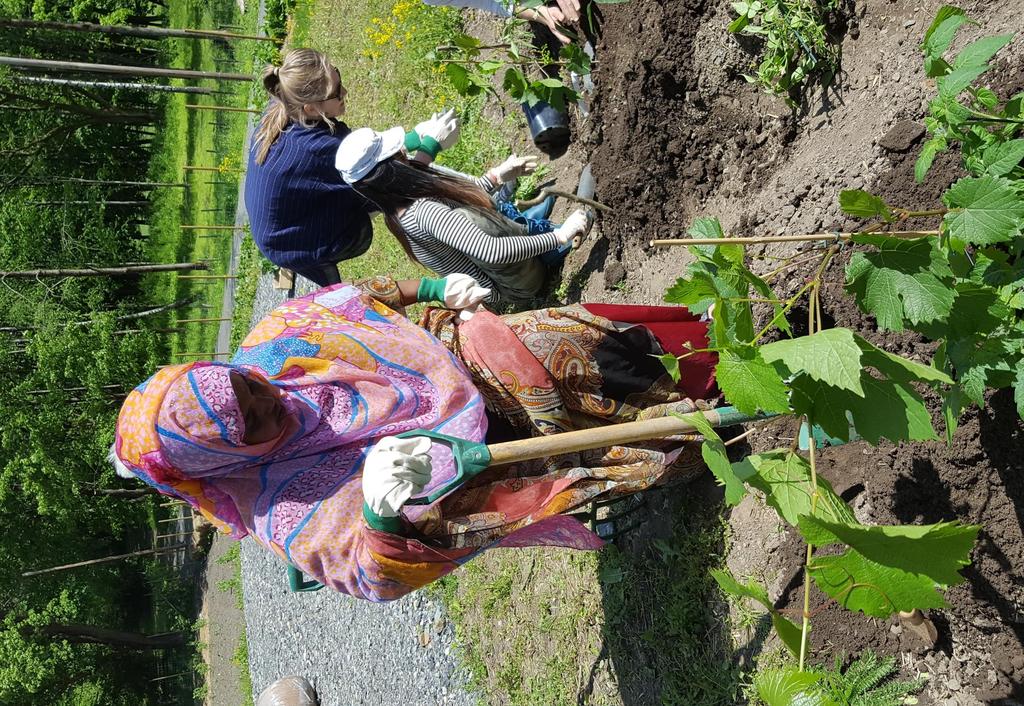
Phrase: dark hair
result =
(396, 183)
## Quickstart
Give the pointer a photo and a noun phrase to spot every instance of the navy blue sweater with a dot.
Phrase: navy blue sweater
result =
(301, 211)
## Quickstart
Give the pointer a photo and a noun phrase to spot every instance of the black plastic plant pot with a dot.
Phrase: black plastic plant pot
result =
(549, 128)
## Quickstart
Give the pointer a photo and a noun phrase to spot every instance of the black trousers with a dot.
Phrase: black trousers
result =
(325, 273)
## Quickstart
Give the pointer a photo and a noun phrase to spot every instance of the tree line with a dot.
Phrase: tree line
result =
(80, 168)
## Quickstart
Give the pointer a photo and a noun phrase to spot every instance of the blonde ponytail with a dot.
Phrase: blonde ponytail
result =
(304, 77)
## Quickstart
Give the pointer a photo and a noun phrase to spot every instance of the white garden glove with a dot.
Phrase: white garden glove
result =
(394, 471)
(513, 168)
(463, 293)
(577, 225)
(443, 127)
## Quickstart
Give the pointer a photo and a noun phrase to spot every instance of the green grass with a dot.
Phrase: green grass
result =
(207, 139)
(241, 659)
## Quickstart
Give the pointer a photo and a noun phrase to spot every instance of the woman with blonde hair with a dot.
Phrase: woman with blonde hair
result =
(303, 215)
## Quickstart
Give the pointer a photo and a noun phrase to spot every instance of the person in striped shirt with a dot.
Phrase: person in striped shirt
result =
(451, 224)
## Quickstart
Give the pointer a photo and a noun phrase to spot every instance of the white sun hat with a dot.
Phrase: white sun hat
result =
(364, 149)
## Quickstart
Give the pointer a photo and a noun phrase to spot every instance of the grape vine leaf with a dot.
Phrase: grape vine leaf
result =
(786, 630)
(940, 34)
(902, 280)
(714, 454)
(937, 551)
(898, 368)
(932, 147)
(785, 479)
(889, 568)
(831, 356)
(706, 228)
(857, 202)
(671, 363)
(859, 584)
(981, 363)
(952, 84)
(987, 210)
(1018, 388)
(698, 290)
(886, 409)
(749, 383)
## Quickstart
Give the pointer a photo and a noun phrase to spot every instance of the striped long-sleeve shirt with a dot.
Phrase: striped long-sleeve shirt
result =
(444, 240)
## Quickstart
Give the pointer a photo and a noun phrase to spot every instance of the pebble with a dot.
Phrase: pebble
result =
(953, 685)
(909, 23)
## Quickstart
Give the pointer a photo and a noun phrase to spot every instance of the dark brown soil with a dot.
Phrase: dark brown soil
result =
(671, 124)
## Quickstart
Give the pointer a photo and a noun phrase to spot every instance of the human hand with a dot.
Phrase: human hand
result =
(463, 293)
(551, 17)
(395, 470)
(570, 10)
(442, 127)
(575, 227)
(513, 167)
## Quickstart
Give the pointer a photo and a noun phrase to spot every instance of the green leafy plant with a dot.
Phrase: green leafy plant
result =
(526, 72)
(867, 681)
(965, 113)
(796, 44)
(961, 286)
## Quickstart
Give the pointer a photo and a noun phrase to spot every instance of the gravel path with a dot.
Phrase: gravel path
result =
(353, 651)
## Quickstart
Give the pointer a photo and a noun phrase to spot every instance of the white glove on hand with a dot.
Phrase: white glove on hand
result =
(578, 224)
(514, 167)
(465, 294)
(443, 127)
(394, 471)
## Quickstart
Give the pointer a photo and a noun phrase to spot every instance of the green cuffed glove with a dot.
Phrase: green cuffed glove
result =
(457, 291)
(430, 290)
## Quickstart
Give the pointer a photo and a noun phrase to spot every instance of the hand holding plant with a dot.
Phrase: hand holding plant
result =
(513, 168)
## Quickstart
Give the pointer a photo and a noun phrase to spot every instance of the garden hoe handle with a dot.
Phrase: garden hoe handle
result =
(612, 435)
(471, 458)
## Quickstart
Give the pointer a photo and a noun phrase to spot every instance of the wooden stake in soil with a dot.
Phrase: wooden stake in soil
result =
(73, 66)
(104, 271)
(790, 238)
(223, 108)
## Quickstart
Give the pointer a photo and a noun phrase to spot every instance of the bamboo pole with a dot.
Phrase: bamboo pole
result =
(190, 168)
(612, 435)
(223, 108)
(135, 30)
(46, 65)
(104, 271)
(207, 276)
(790, 238)
(104, 560)
(209, 227)
(156, 87)
(102, 182)
(203, 321)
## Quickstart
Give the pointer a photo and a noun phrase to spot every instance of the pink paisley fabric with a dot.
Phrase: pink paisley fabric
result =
(351, 371)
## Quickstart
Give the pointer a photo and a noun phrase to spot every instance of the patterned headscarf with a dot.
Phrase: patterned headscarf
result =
(349, 371)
